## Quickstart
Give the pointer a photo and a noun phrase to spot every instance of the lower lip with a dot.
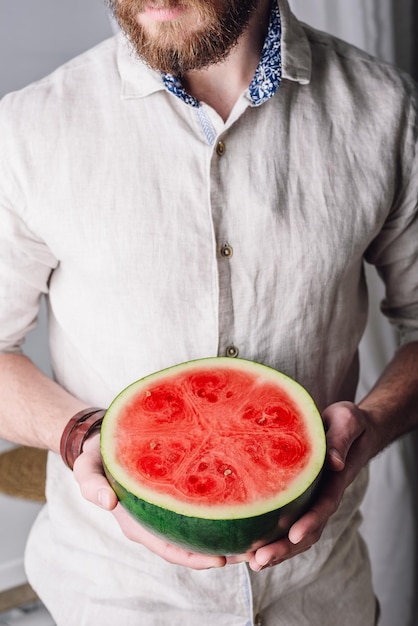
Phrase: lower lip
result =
(163, 15)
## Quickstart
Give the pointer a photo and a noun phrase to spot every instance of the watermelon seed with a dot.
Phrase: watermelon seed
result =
(147, 394)
(152, 445)
(227, 472)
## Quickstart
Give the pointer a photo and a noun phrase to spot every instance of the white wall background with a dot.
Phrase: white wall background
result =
(37, 36)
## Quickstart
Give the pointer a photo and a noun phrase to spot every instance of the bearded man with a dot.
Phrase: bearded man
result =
(208, 182)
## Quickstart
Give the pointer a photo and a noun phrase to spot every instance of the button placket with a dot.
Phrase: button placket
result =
(226, 252)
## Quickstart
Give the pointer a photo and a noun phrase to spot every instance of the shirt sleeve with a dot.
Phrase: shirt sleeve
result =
(25, 267)
(25, 261)
(394, 251)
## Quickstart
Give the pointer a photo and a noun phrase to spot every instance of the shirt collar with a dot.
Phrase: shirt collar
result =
(296, 49)
(286, 55)
(267, 77)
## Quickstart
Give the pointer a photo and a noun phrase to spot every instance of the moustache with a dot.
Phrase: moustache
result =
(128, 9)
(140, 5)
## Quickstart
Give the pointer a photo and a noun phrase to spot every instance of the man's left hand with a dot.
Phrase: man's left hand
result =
(351, 442)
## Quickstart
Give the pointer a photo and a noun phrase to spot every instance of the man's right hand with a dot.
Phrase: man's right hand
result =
(88, 472)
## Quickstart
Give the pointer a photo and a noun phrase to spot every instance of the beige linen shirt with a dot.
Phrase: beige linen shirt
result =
(114, 204)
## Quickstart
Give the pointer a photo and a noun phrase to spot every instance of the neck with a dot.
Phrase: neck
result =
(220, 85)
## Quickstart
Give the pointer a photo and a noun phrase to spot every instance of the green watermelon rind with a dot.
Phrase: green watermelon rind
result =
(215, 536)
(225, 529)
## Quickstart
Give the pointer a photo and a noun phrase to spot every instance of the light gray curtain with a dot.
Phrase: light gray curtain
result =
(414, 68)
(387, 29)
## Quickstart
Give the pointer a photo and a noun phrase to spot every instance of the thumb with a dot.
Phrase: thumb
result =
(89, 473)
(344, 425)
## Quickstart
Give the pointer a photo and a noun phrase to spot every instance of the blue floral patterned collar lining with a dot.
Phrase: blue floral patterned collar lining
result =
(267, 77)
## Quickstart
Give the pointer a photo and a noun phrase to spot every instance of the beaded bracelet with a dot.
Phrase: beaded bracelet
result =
(78, 429)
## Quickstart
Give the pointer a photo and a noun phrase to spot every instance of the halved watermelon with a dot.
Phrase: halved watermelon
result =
(218, 455)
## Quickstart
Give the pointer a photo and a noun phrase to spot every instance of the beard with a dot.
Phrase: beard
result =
(176, 46)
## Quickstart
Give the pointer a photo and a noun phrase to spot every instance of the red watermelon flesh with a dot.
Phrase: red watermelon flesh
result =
(214, 440)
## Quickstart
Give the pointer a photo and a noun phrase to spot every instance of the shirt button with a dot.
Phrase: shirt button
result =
(232, 352)
(226, 251)
(220, 148)
(258, 620)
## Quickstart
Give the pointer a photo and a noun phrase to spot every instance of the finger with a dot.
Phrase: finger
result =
(344, 426)
(233, 559)
(193, 560)
(308, 529)
(301, 538)
(167, 551)
(88, 472)
(275, 553)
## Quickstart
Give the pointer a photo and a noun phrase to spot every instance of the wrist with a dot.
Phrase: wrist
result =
(79, 428)
(381, 429)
